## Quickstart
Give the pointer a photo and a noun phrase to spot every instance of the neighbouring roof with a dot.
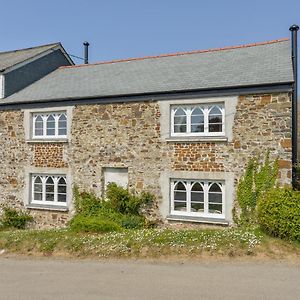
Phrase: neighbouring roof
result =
(11, 58)
(239, 66)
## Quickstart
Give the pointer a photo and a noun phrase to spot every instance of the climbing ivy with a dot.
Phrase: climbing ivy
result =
(258, 179)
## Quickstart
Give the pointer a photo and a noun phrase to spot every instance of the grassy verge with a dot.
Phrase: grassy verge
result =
(146, 243)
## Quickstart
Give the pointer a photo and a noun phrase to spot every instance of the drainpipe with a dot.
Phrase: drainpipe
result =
(86, 52)
(294, 29)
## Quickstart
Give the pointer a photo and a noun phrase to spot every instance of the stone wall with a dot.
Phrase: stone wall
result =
(128, 135)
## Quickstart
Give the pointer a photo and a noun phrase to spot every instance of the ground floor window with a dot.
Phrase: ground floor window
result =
(49, 189)
(197, 198)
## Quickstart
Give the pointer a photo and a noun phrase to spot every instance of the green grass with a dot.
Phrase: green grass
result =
(132, 243)
(146, 243)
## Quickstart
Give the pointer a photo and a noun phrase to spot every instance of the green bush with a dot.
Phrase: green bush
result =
(279, 213)
(123, 201)
(121, 209)
(132, 222)
(96, 224)
(12, 218)
(86, 203)
(258, 179)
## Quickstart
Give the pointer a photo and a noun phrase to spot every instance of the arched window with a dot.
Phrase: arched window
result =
(180, 197)
(50, 125)
(215, 119)
(49, 189)
(38, 125)
(37, 188)
(197, 120)
(215, 198)
(62, 125)
(197, 197)
(180, 120)
(62, 190)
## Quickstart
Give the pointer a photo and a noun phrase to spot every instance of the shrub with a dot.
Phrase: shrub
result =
(124, 202)
(96, 224)
(279, 213)
(86, 203)
(257, 180)
(132, 222)
(13, 218)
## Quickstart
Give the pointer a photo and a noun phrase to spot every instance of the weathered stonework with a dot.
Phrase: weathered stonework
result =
(196, 157)
(129, 135)
(49, 155)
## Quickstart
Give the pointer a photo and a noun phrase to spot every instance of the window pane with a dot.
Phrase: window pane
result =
(197, 128)
(49, 197)
(38, 197)
(49, 185)
(215, 128)
(181, 206)
(180, 120)
(197, 119)
(62, 131)
(197, 187)
(50, 125)
(179, 186)
(38, 124)
(62, 125)
(38, 187)
(197, 207)
(62, 198)
(214, 187)
(197, 196)
(179, 128)
(215, 111)
(180, 112)
(215, 198)
(215, 208)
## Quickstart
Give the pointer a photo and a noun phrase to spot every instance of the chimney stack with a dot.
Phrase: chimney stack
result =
(86, 52)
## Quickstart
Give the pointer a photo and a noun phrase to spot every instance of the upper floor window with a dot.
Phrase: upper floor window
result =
(49, 189)
(197, 198)
(198, 120)
(49, 125)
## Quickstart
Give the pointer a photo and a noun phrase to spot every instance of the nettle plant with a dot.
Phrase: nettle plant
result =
(259, 177)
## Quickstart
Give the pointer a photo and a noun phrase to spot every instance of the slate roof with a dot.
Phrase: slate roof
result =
(11, 58)
(240, 66)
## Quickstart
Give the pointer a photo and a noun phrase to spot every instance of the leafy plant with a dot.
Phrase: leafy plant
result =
(12, 218)
(86, 203)
(124, 202)
(121, 209)
(258, 179)
(81, 223)
(279, 213)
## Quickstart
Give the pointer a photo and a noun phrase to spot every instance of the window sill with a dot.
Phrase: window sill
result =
(47, 207)
(33, 141)
(214, 221)
(197, 139)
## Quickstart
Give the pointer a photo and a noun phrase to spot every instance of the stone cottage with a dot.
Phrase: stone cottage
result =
(182, 126)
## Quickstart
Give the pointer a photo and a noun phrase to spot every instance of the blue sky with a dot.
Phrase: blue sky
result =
(131, 28)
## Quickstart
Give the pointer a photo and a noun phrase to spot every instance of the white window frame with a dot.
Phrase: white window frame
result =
(44, 178)
(205, 184)
(44, 116)
(206, 110)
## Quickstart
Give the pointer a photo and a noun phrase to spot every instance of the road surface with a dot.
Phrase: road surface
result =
(81, 279)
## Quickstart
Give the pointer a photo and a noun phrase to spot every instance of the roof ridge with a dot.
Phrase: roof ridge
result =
(29, 48)
(177, 53)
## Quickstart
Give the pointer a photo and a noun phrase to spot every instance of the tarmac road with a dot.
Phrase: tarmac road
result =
(90, 279)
